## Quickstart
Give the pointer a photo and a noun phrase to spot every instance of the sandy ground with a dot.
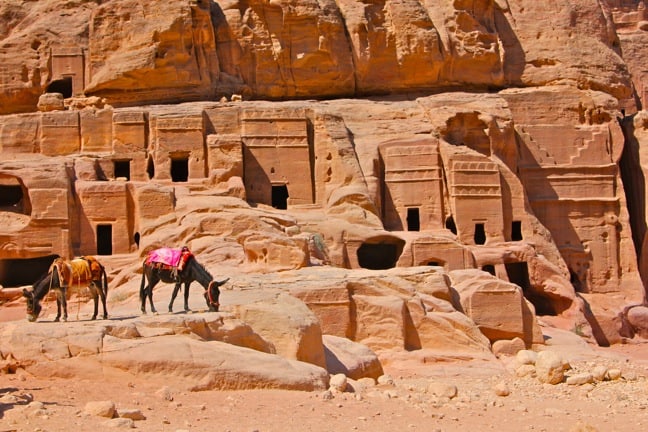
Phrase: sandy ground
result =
(409, 404)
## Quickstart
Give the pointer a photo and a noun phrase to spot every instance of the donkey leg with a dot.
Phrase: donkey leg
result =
(176, 288)
(150, 297)
(95, 298)
(60, 296)
(102, 294)
(64, 303)
(143, 295)
(186, 297)
(58, 310)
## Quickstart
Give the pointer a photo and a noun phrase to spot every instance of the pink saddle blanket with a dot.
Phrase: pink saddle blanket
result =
(168, 256)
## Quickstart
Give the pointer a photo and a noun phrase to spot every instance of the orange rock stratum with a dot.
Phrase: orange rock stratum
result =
(385, 186)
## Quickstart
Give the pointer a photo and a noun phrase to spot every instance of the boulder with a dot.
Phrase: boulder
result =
(352, 359)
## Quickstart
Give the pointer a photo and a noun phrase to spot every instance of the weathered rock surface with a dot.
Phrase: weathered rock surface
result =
(184, 349)
(498, 178)
(132, 53)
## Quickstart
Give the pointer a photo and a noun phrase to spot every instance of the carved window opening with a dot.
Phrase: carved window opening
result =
(516, 231)
(11, 198)
(122, 169)
(489, 268)
(104, 239)
(280, 197)
(480, 234)
(150, 168)
(179, 169)
(136, 238)
(413, 219)
(380, 256)
(62, 86)
(450, 225)
(23, 271)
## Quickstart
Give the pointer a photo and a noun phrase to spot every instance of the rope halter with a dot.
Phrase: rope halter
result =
(208, 293)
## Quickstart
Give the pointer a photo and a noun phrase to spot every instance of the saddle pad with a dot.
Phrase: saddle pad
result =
(72, 272)
(80, 270)
(168, 256)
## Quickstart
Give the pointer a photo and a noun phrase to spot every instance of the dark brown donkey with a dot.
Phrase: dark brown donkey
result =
(192, 271)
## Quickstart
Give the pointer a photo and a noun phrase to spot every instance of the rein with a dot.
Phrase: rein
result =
(209, 295)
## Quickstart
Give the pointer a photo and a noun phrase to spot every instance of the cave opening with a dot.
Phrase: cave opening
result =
(62, 86)
(378, 256)
(518, 273)
(17, 272)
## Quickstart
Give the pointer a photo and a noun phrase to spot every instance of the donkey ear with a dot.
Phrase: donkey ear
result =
(26, 293)
(222, 282)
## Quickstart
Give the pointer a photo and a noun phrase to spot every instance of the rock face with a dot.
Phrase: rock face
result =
(467, 137)
(202, 360)
(134, 52)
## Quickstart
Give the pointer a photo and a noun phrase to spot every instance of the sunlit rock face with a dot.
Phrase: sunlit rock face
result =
(133, 52)
(275, 136)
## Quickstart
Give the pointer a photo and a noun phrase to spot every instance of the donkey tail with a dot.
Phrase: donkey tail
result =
(104, 281)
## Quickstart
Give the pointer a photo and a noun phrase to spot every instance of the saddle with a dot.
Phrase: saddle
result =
(169, 259)
(78, 270)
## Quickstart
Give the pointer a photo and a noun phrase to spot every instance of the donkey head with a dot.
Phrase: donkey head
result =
(212, 293)
(33, 306)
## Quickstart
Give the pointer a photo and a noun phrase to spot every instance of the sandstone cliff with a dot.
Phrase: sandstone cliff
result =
(135, 52)
(495, 150)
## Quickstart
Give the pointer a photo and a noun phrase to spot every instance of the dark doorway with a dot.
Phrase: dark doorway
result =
(480, 234)
(180, 169)
(518, 273)
(280, 197)
(62, 86)
(136, 237)
(413, 220)
(24, 271)
(122, 169)
(575, 281)
(516, 231)
(104, 239)
(489, 268)
(450, 225)
(380, 256)
(150, 168)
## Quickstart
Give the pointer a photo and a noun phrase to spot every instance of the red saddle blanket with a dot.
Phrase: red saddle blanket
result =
(169, 256)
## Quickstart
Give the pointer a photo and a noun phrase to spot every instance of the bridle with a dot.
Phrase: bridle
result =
(30, 304)
(208, 294)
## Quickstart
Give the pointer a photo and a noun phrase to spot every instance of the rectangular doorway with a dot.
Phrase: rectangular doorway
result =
(104, 239)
